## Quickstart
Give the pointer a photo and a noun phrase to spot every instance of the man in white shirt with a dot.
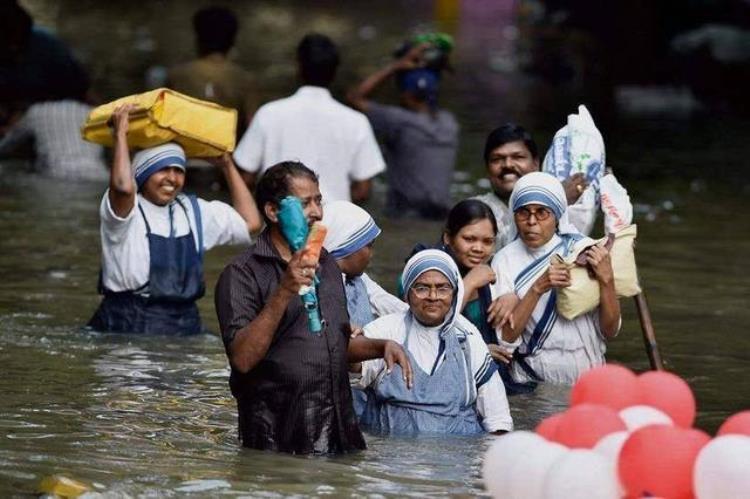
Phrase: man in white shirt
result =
(312, 127)
(59, 151)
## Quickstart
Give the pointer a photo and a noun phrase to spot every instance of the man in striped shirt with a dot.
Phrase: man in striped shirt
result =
(60, 152)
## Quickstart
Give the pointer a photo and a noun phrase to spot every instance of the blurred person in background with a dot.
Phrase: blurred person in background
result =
(310, 126)
(43, 100)
(419, 139)
(213, 76)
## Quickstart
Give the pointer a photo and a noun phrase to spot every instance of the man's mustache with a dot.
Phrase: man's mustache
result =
(509, 170)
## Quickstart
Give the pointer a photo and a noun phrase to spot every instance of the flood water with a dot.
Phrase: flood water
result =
(148, 416)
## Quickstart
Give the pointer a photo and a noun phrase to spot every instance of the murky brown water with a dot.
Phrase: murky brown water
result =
(144, 416)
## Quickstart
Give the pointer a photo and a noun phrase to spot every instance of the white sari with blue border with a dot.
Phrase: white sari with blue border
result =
(561, 350)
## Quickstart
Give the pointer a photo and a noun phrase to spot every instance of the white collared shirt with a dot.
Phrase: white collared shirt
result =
(310, 126)
(125, 252)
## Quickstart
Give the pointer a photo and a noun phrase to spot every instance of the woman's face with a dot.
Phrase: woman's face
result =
(163, 186)
(536, 225)
(473, 245)
(430, 298)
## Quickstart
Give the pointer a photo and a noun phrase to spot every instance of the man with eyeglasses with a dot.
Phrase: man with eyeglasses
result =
(549, 347)
(456, 388)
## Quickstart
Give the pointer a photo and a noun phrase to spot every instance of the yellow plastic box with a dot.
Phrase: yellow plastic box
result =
(202, 128)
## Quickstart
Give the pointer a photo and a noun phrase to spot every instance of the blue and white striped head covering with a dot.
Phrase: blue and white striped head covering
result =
(545, 190)
(434, 259)
(151, 160)
(350, 228)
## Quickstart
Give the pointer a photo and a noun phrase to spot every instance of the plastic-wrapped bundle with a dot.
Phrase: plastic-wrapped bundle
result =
(578, 147)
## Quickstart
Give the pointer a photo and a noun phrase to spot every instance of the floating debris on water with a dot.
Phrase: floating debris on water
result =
(62, 486)
(652, 212)
(203, 485)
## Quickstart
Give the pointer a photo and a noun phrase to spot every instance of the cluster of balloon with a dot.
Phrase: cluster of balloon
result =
(624, 435)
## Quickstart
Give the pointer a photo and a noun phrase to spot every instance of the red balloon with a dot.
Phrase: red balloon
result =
(658, 460)
(612, 385)
(670, 394)
(736, 424)
(584, 425)
(548, 427)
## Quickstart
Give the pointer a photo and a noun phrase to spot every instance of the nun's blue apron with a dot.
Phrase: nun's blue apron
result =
(175, 283)
(439, 403)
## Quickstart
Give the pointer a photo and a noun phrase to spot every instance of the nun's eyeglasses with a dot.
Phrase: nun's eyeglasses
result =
(540, 214)
(441, 290)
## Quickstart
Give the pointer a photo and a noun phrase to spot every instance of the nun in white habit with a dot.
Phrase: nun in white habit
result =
(549, 347)
(456, 388)
(351, 234)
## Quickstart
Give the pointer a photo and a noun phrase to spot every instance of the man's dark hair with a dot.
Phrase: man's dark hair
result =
(318, 59)
(215, 29)
(275, 182)
(509, 132)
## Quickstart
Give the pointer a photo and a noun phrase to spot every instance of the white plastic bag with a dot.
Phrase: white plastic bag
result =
(578, 147)
(615, 202)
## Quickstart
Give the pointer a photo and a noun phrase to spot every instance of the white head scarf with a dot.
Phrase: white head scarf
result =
(545, 190)
(350, 228)
(433, 259)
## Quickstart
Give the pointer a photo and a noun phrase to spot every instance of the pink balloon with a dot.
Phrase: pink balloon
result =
(548, 427)
(612, 385)
(658, 460)
(736, 424)
(584, 425)
(670, 394)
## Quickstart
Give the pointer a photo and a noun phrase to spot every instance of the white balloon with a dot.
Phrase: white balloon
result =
(528, 470)
(609, 447)
(581, 473)
(638, 416)
(503, 451)
(722, 469)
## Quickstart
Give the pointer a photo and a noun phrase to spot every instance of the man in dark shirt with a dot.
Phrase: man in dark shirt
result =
(291, 386)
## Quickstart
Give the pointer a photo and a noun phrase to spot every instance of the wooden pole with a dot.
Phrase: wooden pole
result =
(649, 336)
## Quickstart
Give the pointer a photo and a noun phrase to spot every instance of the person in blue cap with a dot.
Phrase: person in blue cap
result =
(418, 138)
(154, 236)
